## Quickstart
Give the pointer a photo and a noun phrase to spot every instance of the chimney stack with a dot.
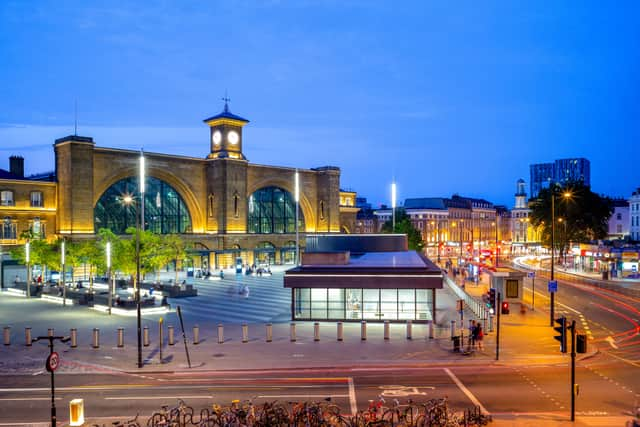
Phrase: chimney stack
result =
(16, 166)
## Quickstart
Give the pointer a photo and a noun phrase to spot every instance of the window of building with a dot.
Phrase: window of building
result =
(8, 229)
(618, 216)
(619, 228)
(169, 216)
(273, 210)
(6, 198)
(37, 228)
(36, 199)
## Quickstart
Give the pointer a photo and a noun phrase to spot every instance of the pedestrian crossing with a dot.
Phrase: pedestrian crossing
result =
(223, 300)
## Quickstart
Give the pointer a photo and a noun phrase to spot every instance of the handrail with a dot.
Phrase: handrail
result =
(476, 307)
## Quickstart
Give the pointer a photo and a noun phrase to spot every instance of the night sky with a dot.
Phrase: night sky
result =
(447, 97)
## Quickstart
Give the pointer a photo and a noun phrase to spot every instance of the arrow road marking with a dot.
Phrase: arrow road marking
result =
(611, 342)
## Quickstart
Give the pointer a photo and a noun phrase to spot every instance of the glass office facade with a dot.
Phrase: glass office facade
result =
(362, 304)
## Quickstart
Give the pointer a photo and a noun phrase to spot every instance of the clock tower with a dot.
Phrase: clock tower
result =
(226, 134)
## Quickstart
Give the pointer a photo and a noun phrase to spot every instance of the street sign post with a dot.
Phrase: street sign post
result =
(53, 361)
(553, 286)
(531, 274)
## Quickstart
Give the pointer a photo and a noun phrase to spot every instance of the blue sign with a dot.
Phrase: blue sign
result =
(531, 274)
(553, 286)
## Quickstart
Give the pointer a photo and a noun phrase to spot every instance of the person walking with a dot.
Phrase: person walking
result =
(479, 336)
(472, 335)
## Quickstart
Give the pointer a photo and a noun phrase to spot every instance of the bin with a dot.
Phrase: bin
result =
(456, 343)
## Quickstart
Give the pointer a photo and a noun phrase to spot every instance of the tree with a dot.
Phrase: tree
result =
(404, 226)
(176, 249)
(581, 215)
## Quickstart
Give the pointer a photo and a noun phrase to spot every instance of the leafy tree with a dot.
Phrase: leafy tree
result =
(41, 253)
(176, 249)
(581, 215)
(405, 226)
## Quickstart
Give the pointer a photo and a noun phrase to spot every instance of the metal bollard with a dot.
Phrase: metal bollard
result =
(196, 335)
(120, 337)
(431, 336)
(484, 324)
(7, 335)
(269, 332)
(50, 332)
(145, 336)
(292, 332)
(386, 330)
(363, 330)
(491, 323)
(316, 331)
(27, 337)
(340, 331)
(171, 337)
(245, 333)
(74, 337)
(160, 339)
(96, 338)
(220, 333)
(453, 328)
(409, 329)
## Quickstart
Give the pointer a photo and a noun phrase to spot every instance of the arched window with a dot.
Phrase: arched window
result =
(164, 210)
(272, 210)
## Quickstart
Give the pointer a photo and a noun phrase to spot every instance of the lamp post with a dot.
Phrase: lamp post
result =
(62, 262)
(108, 254)
(139, 228)
(27, 257)
(496, 249)
(438, 240)
(393, 207)
(297, 197)
(566, 195)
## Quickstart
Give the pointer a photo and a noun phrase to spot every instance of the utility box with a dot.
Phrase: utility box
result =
(510, 284)
(581, 343)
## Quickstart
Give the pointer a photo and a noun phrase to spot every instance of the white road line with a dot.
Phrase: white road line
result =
(557, 303)
(352, 397)
(300, 396)
(466, 391)
(158, 397)
(8, 399)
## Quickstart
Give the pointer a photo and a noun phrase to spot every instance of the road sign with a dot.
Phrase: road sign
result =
(531, 274)
(53, 361)
(553, 286)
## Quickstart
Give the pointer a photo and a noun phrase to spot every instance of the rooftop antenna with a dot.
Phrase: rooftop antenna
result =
(226, 100)
(75, 121)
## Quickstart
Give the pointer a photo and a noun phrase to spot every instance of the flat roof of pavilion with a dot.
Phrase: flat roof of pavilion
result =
(370, 270)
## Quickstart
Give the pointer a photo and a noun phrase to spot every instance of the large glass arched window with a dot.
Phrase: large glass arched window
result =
(164, 210)
(272, 210)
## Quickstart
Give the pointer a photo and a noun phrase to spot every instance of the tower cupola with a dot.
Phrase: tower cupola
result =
(226, 134)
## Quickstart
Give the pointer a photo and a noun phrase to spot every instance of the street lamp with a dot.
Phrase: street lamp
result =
(565, 195)
(495, 224)
(27, 257)
(297, 197)
(108, 253)
(62, 262)
(393, 207)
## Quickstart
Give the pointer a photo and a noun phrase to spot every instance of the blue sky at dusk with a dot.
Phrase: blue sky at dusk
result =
(445, 96)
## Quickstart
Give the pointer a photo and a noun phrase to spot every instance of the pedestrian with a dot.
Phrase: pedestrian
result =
(472, 335)
(479, 336)
(17, 280)
(246, 291)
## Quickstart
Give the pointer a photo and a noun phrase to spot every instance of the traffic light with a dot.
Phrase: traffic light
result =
(492, 299)
(562, 329)
(504, 309)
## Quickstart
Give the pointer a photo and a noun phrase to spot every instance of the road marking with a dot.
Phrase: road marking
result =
(157, 397)
(611, 342)
(352, 397)
(466, 391)
(8, 399)
(401, 391)
(300, 396)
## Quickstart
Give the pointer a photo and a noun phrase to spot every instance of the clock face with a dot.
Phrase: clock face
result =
(217, 137)
(233, 137)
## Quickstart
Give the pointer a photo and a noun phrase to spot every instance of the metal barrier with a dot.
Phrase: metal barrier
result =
(120, 337)
(474, 305)
(292, 332)
(7, 335)
(220, 333)
(27, 337)
(386, 329)
(74, 337)
(196, 335)
(269, 332)
(96, 338)
(171, 333)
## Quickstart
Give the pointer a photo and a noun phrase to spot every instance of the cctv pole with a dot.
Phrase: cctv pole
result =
(573, 370)
(498, 310)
